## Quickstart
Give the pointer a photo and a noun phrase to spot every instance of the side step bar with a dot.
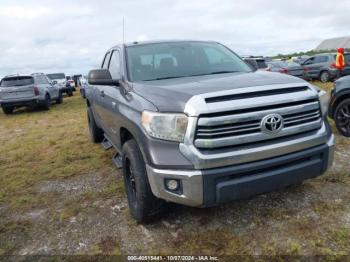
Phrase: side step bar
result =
(117, 158)
(106, 144)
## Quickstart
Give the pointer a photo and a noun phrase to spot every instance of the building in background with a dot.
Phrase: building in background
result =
(334, 43)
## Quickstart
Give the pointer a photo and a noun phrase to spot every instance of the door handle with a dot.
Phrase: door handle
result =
(102, 93)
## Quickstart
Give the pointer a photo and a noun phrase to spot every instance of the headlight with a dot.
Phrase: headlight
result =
(324, 101)
(165, 126)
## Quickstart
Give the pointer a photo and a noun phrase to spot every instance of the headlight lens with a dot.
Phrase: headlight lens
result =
(324, 101)
(166, 126)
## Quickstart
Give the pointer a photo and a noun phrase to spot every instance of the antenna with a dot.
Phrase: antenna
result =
(123, 30)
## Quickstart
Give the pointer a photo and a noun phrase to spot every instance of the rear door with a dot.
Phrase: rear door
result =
(313, 65)
(321, 62)
(112, 97)
(17, 88)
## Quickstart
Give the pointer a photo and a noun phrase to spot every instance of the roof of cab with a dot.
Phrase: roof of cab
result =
(135, 43)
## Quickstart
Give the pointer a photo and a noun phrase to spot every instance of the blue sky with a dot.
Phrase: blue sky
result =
(71, 36)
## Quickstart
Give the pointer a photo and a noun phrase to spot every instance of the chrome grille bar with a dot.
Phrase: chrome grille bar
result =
(223, 129)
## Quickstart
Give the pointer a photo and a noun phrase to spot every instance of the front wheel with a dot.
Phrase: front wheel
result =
(324, 77)
(8, 109)
(47, 102)
(342, 117)
(96, 133)
(143, 205)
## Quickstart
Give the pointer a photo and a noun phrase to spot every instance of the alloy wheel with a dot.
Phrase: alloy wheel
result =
(343, 118)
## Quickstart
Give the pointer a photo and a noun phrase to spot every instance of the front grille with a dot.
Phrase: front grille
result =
(243, 126)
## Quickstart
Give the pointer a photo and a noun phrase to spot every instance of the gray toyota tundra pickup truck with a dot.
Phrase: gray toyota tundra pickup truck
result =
(193, 124)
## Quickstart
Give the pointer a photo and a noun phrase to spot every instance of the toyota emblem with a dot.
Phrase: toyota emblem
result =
(272, 124)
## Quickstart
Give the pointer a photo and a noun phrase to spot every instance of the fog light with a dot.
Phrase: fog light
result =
(172, 184)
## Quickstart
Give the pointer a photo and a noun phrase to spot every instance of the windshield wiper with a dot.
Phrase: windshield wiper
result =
(211, 73)
(161, 78)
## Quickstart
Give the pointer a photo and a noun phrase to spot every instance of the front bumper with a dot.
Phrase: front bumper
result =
(209, 187)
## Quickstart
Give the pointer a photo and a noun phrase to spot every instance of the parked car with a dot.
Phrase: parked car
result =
(84, 86)
(76, 79)
(339, 108)
(71, 82)
(322, 67)
(346, 71)
(258, 63)
(27, 90)
(60, 80)
(193, 124)
(301, 59)
(285, 67)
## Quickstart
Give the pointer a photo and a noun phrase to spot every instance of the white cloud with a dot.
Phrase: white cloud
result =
(23, 13)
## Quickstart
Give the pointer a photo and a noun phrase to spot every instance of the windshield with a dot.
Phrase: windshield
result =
(181, 59)
(56, 76)
(17, 81)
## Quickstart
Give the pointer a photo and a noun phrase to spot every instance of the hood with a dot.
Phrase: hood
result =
(171, 95)
(340, 50)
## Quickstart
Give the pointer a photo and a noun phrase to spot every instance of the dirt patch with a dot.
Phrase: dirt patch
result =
(76, 185)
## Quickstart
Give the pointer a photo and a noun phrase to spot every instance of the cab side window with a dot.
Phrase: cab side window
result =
(321, 59)
(310, 61)
(44, 79)
(114, 65)
(106, 61)
(39, 80)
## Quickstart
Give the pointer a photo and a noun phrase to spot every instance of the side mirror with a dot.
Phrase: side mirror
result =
(101, 77)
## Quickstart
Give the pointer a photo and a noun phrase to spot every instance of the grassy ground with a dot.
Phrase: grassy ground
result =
(60, 194)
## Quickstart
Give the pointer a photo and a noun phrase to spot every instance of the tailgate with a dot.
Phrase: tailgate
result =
(17, 92)
(15, 88)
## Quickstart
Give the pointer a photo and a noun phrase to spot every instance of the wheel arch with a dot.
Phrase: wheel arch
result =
(125, 135)
(338, 100)
(322, 71)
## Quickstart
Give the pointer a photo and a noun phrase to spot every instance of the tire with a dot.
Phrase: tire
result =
(324, 76)
(143, 205)
(82, 92)
(96, 133)
(342, 117)
(47, 102)
(8, 110)
(59, 100)
(70, 92)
